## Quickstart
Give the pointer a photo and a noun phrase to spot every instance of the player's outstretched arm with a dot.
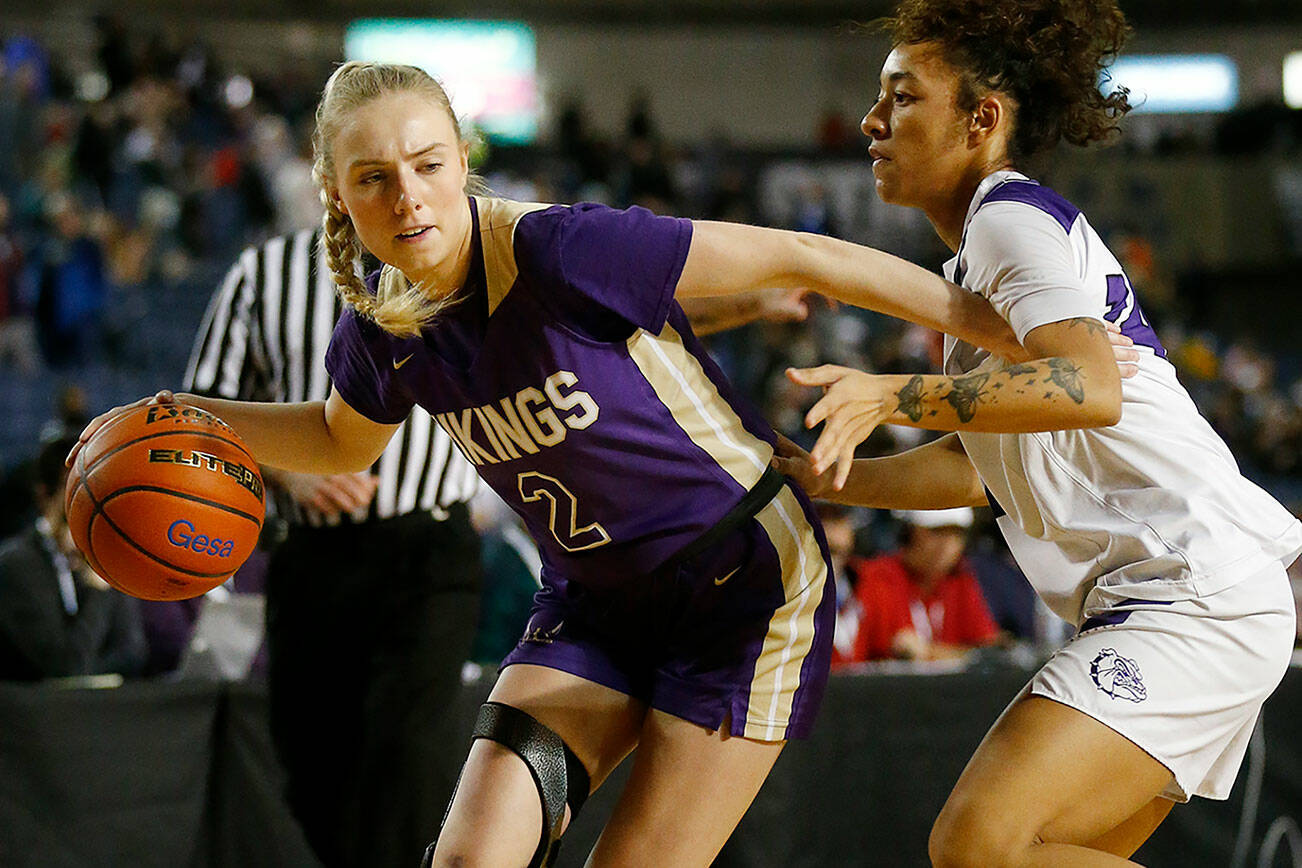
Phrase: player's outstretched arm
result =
(727, 258)
(936, 475)
(310, 437)
(1073, 382)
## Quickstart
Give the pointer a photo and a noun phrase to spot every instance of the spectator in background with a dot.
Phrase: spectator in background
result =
(57, 618)
(1013, 604)
(15, 499)
(1008, 596)
(838, 527)
(643, 177)
(584, 169)
(923, 601)
(836, 134)
(71, 286)
(24, 83)
(283, 157)
(71, 409)
(18, 482)
(113, 50)
(17, 336)
(814, 211)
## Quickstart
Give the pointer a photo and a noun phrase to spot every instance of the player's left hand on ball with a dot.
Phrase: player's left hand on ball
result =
(162, 397)
(853, 405)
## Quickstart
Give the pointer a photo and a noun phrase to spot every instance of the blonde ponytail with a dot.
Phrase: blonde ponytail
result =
(342, 252)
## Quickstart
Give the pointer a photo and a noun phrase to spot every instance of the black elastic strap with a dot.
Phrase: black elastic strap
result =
(752, 502)
(559, 775)
(557, 772)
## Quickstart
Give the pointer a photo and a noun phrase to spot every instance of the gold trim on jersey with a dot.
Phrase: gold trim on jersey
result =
(692, 399)
(791, 628)
(497, 222)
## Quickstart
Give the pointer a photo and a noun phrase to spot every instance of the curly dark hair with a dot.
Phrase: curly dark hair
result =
(1047, 55)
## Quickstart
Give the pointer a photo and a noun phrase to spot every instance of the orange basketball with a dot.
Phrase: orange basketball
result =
(165, 502)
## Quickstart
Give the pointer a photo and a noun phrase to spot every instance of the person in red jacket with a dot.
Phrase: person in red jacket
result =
(923, 601)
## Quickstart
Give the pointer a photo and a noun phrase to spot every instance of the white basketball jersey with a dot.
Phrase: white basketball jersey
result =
(1154, 505)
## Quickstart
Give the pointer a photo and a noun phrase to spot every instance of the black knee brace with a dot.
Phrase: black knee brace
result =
(559, 775)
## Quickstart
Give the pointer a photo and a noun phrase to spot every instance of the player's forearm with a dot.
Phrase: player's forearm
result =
(728, 258)
(936, 475)
(1049, 394)
(293, 437)
(878, 281)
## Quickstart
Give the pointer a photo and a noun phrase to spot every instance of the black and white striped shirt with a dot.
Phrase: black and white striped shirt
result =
(264, 338)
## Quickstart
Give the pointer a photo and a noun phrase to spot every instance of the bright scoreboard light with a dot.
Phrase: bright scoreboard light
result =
(1161, 83)
(489, 68)
(1293, 80)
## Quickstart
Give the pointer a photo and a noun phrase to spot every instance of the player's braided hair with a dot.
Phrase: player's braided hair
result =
(398, 307)
(1047, 55)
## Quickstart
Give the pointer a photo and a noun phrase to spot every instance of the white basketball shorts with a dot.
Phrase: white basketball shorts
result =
(1184, 680)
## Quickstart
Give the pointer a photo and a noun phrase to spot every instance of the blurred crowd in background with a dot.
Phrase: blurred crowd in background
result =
(126, 193)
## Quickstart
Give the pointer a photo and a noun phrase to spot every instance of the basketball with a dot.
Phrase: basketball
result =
(165, 502)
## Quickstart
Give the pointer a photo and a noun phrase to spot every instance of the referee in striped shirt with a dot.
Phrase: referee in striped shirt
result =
(365, 653)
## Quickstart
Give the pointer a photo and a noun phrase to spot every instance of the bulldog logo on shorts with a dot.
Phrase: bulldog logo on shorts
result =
(1118, 676)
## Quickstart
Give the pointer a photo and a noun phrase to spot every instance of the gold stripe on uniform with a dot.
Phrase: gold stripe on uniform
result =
(497, 221)
(692, 399)
(791, 629)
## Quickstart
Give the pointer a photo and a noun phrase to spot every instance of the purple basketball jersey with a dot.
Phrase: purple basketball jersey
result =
(571, 379)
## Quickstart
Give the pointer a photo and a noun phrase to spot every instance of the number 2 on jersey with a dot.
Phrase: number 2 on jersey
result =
(563, 515)
(1121, 298)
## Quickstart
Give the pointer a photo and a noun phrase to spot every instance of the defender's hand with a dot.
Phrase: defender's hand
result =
(852, 406)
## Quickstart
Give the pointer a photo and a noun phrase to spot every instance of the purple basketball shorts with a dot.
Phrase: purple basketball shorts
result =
(741, 632)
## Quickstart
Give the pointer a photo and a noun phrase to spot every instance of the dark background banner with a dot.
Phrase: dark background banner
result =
(182, 776)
